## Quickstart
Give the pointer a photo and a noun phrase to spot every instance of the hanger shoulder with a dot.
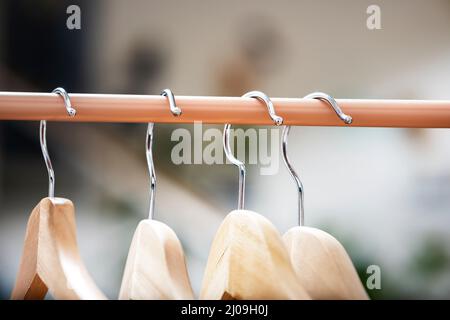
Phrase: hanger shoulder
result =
(248, 260)
(323, 265)
(56, 263)
(28, 284)
(155, 267)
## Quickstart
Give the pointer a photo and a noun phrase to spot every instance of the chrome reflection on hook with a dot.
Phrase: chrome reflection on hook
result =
(151, 168)
(227, 145)
(330, 100)
(43, 140)
(176, 111)
(264, 98)
(149, 147)
(63, 93)
(346, 118)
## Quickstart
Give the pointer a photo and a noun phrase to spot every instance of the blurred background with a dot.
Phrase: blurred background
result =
(384, 193)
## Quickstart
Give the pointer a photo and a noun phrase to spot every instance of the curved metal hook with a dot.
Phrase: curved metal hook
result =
(151, 168)
(227, 145)
(48, 162)
(236, 162)
(330, 100)
(346, 118)
(264, 98)
(294, 175)
(149, 154)
(63, 93)
(43, 140)
(176, 111)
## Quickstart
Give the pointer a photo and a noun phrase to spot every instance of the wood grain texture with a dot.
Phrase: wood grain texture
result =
(248, 260)
(322, 265)
(155, 267)
(51, 259)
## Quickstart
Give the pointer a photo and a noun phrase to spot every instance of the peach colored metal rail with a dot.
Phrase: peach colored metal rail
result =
(145, 108)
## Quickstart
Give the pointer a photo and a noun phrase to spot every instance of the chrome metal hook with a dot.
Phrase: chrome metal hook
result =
(236, 162)
(151, 168)
(346, 118)
(264, 98)
(330, 100)
(149, 154)
(227, 146)
(43, 140)
(176, 111)
(63, 93)
(294, 175)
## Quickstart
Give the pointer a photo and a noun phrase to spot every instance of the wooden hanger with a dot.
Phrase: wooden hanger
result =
(155, 267)
(321, 262)
(51, 260)
(323, 266)
(248, 259)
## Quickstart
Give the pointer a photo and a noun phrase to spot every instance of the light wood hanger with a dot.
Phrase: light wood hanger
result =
(321, 262)
(51, 260)
(248, 259)
(323, 266)
(155, 267)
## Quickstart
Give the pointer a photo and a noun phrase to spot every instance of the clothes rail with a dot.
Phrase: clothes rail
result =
(233, 110)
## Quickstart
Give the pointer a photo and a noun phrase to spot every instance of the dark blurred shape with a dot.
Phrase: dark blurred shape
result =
(259, 49)
(260, 42)
(432, 259)
(145, 65)
(39, 52)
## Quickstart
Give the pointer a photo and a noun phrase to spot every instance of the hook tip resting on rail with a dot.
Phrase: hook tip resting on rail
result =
(278, 120)
(176, 111)
(330, 100)
(63, 93)
(269, 104)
